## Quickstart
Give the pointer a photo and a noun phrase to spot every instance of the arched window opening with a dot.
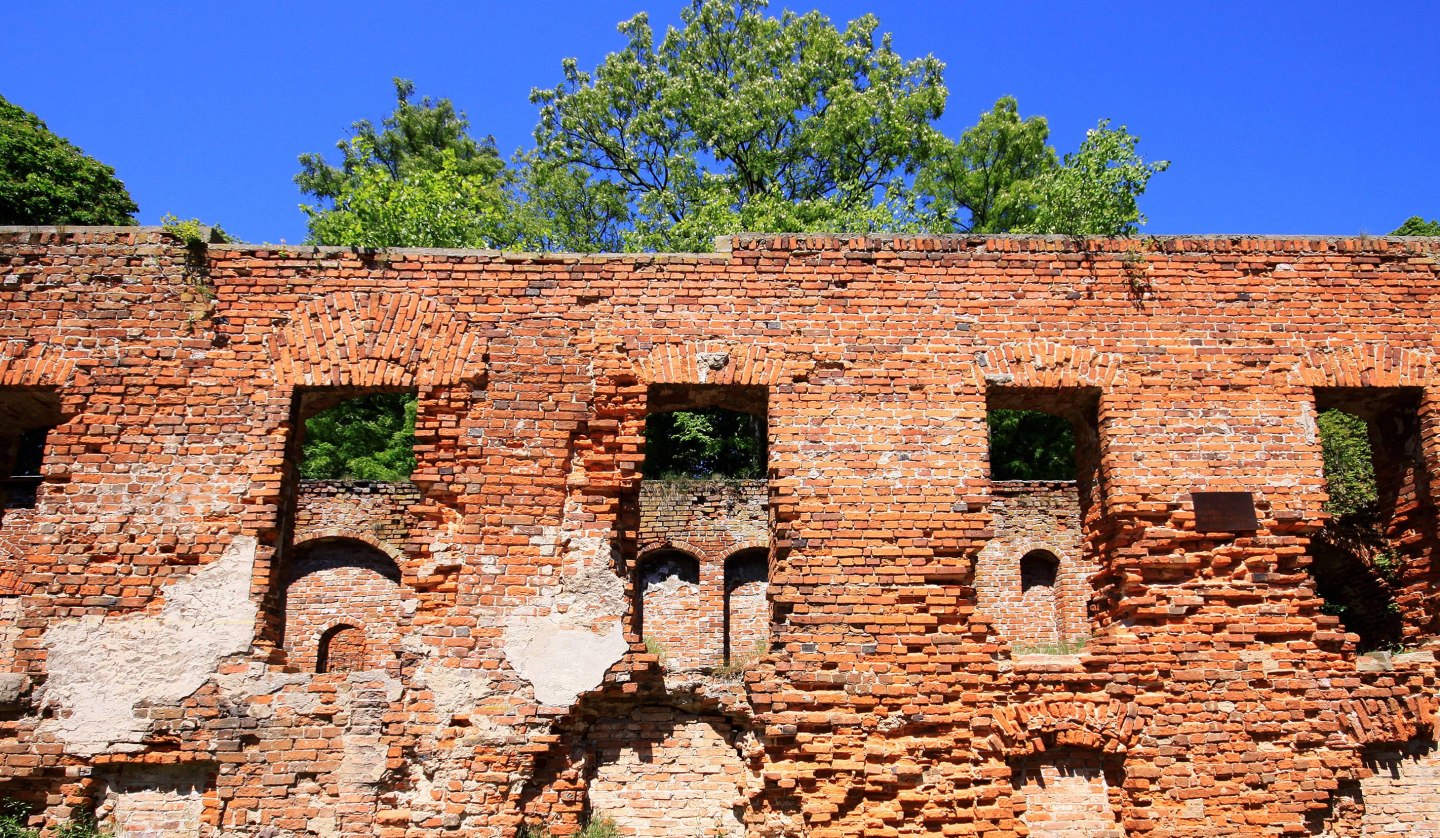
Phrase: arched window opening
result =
(342, 649)
(747, 612)
(669, 610)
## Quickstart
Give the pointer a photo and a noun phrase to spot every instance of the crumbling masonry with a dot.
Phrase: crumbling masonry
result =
(875, 640)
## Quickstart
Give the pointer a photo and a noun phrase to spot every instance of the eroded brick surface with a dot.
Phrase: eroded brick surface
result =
(1223, 699)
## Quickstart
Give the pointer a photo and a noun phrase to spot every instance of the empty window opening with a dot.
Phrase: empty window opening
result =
(1045, 498)
(1381, 520)
(670, 616)
(26, 418)
(1030, 445)
(342, 649)
(1044, 434)
(705, 431)
(747, 612)
(350, 436)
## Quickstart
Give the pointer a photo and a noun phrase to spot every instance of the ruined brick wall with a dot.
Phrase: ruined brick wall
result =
(151, 606)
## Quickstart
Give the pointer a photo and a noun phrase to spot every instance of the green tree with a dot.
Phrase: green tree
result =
(739, 120)
(1096, 191)
(1029, 445)
(365, 438)
(1349, 466)
(1417, 226)
(46, 180)
(419, 180)
(704, 443)
(988, 181)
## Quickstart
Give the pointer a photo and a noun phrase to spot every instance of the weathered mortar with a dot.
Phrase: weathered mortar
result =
(146, 587)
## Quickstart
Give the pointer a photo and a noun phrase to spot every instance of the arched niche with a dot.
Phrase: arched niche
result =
(1039, 597)
(335, 585)
(670, 614)
(747, 608)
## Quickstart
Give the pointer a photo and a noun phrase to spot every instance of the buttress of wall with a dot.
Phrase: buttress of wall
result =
(1030, 517)
(710, 521)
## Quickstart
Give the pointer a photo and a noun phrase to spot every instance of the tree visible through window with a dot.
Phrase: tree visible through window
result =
(705, 443)
(369, 437)
(1030, 445)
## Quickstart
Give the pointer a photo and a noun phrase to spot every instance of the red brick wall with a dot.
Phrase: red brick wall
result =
(889, 704)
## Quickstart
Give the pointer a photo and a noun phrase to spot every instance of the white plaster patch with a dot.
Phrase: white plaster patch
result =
(101, 669)
(567, 651)
(456, 690)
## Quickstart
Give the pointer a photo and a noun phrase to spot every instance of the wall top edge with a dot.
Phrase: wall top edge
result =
(836, 245)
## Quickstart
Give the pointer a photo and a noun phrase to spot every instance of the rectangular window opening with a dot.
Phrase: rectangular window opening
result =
(1366, 561)
(355, 435)
(26, 418)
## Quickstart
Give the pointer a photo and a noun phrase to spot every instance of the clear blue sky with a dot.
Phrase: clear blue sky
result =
(1280, 117)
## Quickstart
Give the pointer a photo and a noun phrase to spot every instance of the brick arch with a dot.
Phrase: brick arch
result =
(1390, 720)
(1365, 365)
(648, 549)
(1102, 724)
(1044, 363)
(718, 362)
(359, 339)
(302, 538)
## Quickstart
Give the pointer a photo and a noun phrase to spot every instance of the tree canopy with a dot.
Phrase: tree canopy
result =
(420, 180)
(44, 179)
(1417, 226)
(369, 437)
(734, 121)
(704, 444)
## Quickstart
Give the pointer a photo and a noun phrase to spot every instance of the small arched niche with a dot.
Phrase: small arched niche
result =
(343, 607)
(1039, 598)
(747, 611)
(342, 649)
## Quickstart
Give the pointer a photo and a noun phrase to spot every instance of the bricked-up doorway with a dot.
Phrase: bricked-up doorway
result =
(704, 497)
(1068, 792)
(1033, 577)
(26, 417)
(1374, 563)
